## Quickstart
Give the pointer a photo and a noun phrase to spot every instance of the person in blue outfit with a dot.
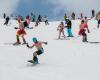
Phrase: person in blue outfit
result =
(69, 26)
(40, 50)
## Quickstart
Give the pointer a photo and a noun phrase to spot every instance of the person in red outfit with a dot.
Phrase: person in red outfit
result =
(20, 33)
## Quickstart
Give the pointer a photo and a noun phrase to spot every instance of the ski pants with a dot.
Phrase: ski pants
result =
(69, 32)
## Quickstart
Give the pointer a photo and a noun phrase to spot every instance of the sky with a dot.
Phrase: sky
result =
(54, 9)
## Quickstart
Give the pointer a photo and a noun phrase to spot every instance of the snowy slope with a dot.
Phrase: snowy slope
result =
(62, 60)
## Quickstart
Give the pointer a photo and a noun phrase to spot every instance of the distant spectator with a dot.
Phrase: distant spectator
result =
(4, 15)
(93, 13)
(40, 18)
(45, 20)
(73, 16)
(7, 20)
(98, 19)
(32, 17)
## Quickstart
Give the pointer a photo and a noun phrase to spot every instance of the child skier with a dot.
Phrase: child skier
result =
(39, 51)
(21, 32)
(83, 31)
(61, 29)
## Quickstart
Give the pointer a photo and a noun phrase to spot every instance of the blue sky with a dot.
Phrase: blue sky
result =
(54, 9)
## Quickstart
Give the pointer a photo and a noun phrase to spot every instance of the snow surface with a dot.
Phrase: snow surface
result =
(62, 59)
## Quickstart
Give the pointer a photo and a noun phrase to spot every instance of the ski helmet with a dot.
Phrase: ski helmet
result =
(35, 39)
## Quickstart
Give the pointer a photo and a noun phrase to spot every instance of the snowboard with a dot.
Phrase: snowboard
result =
(31, 61)
(25, 28)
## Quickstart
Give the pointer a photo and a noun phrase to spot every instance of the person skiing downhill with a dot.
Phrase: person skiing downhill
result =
(21, 32)
(82, 31)
(86, 24)
(40, 50)
(61, 30)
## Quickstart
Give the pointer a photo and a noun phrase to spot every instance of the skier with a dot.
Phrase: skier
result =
(69, 26)
(20, 33)
(40, 50)
(7, 20)
(86, 24)
(83, 31)
(98, 19)
(61, 30)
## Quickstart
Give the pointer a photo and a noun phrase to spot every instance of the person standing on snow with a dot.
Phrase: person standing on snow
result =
(69, 27)
(45, 20)
(20, 33)
(61, 30)
(93, 13)
(7, 20)
(86, 24)
(73, 16)
(82, 31)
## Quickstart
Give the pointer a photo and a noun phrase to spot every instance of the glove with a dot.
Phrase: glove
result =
(27, 45)
(46, 43)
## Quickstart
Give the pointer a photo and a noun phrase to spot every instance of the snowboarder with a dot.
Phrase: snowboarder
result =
(69, 26)
(83, 31)
(40, 50)
(61, 30)
(20, 33)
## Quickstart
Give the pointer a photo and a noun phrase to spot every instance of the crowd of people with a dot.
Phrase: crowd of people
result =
(25, 22)
(83, 25)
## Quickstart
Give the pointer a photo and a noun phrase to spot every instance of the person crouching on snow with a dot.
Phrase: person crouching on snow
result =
(40, 50)
(61, 30)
